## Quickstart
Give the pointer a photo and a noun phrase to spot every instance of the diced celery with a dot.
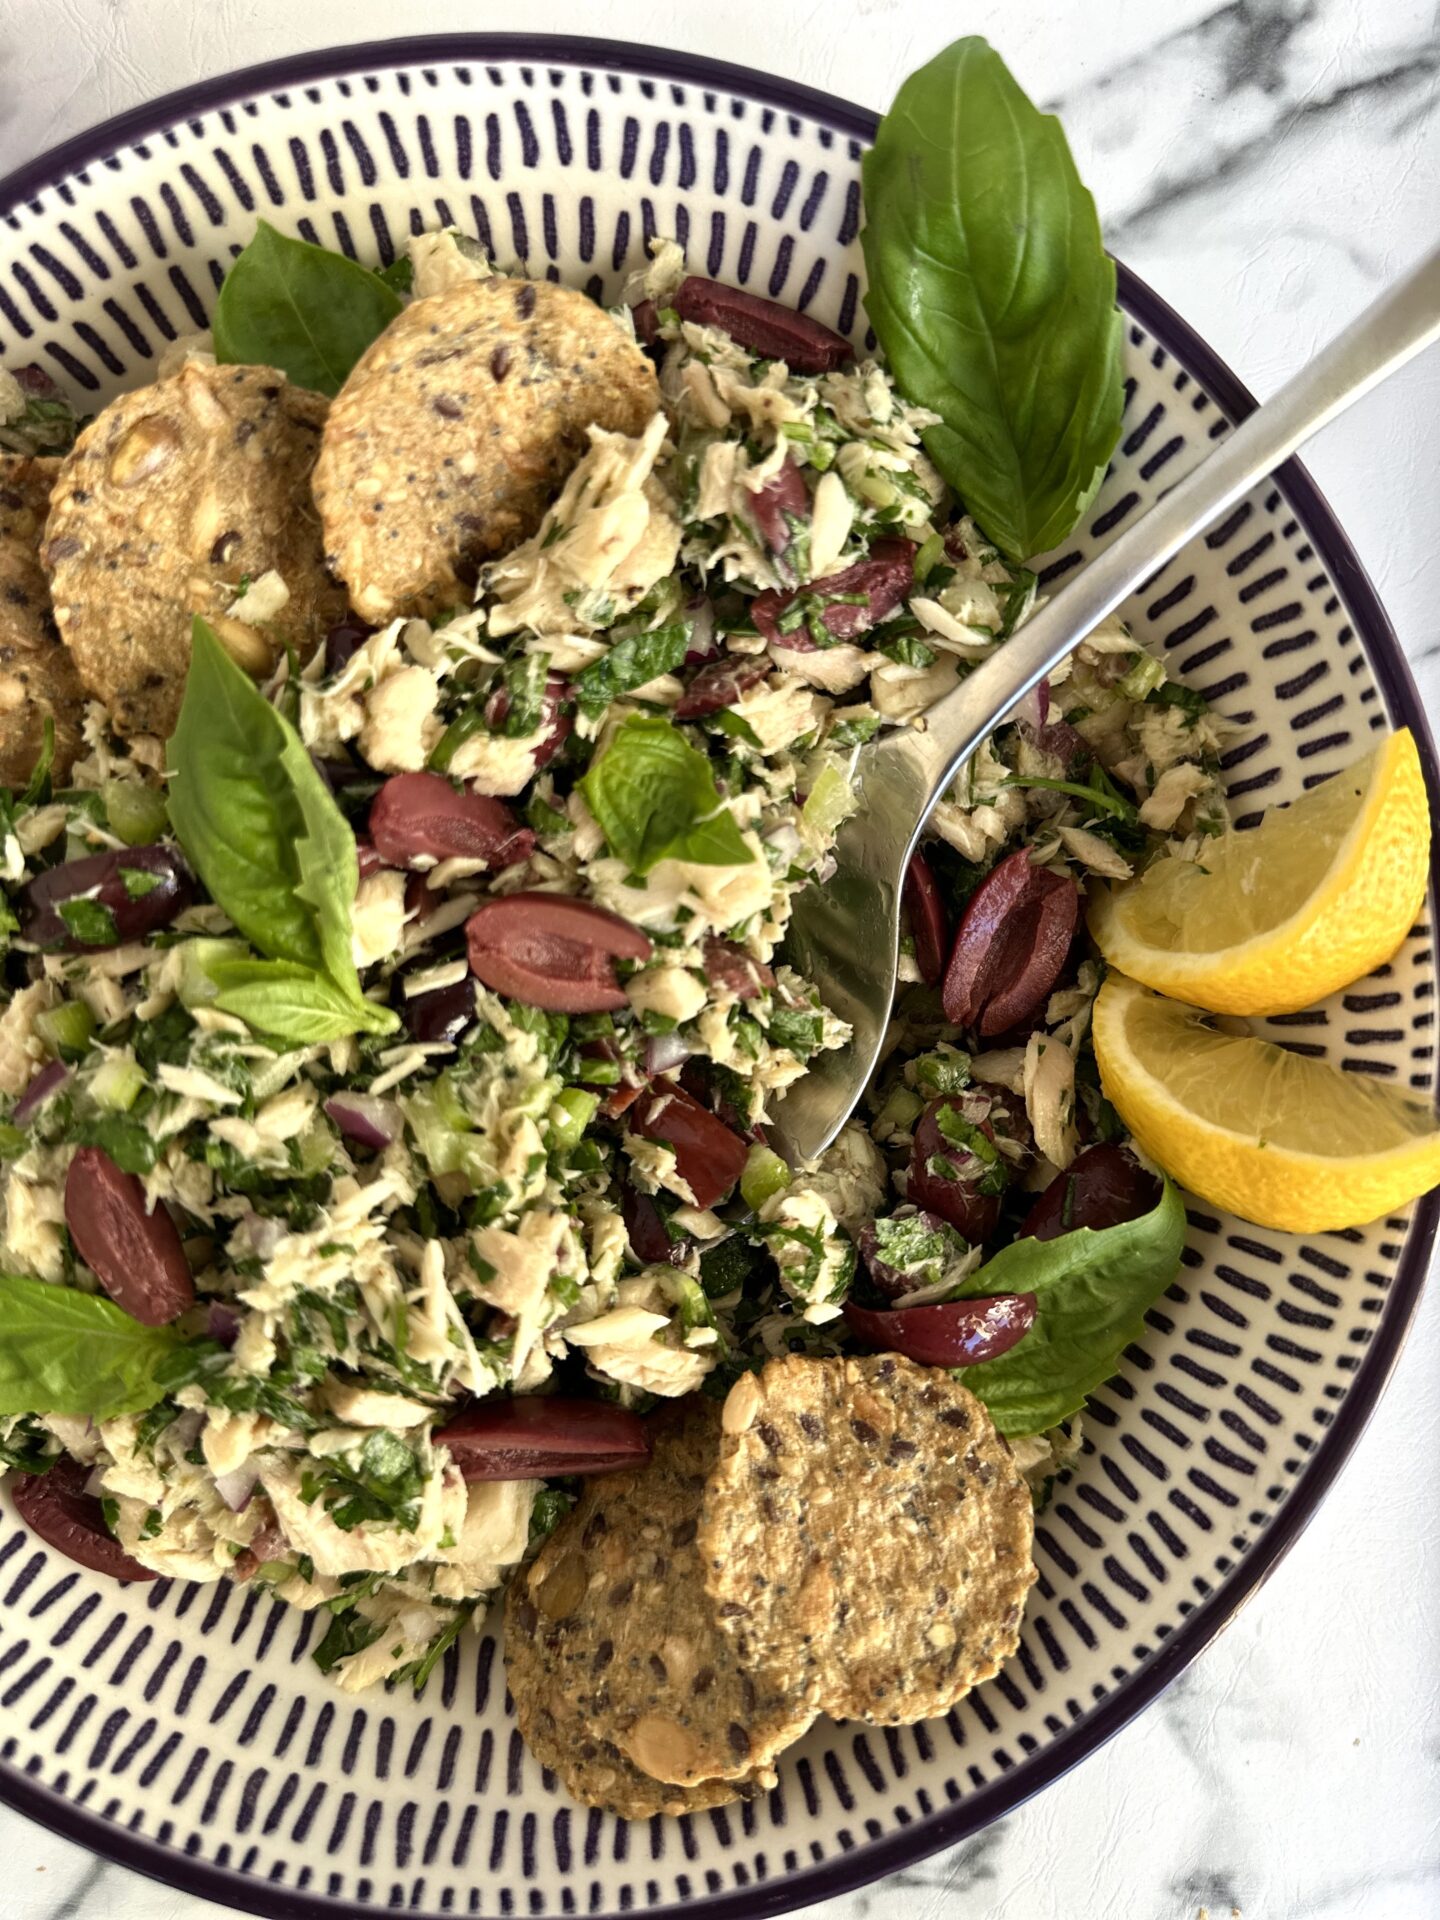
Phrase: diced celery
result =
(117, 1084)
(831, 801)
(1142, 676)
(137, 813)
(929, 556)
(66, 1029)
(899, 1113)
(765, 1173)
(13, 1141)
(571, 1112)
(196, 987)
(316, 1149)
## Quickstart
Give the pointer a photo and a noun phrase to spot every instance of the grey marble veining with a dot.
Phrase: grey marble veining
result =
(1266, 165)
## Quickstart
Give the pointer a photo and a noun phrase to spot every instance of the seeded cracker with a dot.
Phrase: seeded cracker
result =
(37, 676)
(620, 1677)
(867, 1534)
(456, 428)
(172, 498)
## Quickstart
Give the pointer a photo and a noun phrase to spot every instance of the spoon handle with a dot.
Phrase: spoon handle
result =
(1396, 327)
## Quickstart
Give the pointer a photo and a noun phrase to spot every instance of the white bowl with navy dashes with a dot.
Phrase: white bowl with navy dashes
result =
(184, 1730)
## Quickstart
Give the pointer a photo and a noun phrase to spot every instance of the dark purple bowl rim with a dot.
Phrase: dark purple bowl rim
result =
(864, 1864)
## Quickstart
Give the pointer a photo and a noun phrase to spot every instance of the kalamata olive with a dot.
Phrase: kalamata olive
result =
(650, 1242)
(959, 1181)
(884, 579)
(646, 315)
(720, 683)
(764, 326)
(420, 816)
(1011, 945)
(367, 859)
(134, 1253)
(926, 913)
(1102, 1187)
(732, 970)
(891, 1280)
(106, 899)
(343, 641)
(783, 499)
(708, 1157)
(955, 1333)
(540, 1435)
(56, 1506)
(439, 1015)
(551, 951)
(556, 720)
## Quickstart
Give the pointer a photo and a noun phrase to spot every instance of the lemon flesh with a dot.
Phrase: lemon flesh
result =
(1271, 920)
(1279, 1140)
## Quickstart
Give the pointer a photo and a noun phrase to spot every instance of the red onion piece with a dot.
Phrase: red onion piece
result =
(222, 1323)
(363, 1118)
(237, 1487)
(46, 1082)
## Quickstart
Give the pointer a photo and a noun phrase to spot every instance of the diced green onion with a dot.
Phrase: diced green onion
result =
(1143, 675)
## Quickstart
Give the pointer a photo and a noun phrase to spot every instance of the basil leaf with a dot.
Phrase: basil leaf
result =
(993, 296)
(631, 662)
(1092, 1289)
(67, 1352)
(654, 796)
(293, 1003)
(263, 832)
(308, 312)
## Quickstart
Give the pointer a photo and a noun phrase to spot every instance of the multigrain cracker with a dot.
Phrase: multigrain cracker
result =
(612, 1625)
(38, 680)
(867, 1535)
(456, 427)
(175, 501)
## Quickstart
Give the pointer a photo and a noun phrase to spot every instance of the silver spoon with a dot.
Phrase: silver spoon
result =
(844, 934)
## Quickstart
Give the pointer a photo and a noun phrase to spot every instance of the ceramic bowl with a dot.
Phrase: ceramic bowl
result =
(184, 1730)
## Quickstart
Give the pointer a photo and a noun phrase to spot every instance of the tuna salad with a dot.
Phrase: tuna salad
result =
(387, 1057)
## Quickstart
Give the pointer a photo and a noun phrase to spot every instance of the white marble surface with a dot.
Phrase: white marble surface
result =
(1267, 165)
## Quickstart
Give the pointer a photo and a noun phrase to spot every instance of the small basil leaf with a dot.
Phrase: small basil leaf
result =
(993, 296)
(654, 796)
(62, 1351)
(631, 662)
(308, 312)
(293, 1003)
(1092, 1289)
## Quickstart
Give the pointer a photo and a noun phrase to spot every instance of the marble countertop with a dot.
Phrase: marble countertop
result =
(1267, 165)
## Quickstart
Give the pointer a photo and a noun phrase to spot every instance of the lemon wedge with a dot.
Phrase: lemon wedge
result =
(1268, 921)
(1277, 1139)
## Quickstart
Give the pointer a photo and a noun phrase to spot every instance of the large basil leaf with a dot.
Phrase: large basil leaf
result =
(654, 796)
(993, 296)
(67, 1352)
(310, 313)
(1092, 1289)
(263, 832)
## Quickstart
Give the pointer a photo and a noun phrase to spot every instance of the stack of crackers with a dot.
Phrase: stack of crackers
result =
(847, 1536)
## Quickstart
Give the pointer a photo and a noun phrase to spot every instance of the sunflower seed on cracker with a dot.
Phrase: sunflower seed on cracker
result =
(173, 500)
(38, 680)
(867, 1535)
(455, 428)
(611, 1628)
